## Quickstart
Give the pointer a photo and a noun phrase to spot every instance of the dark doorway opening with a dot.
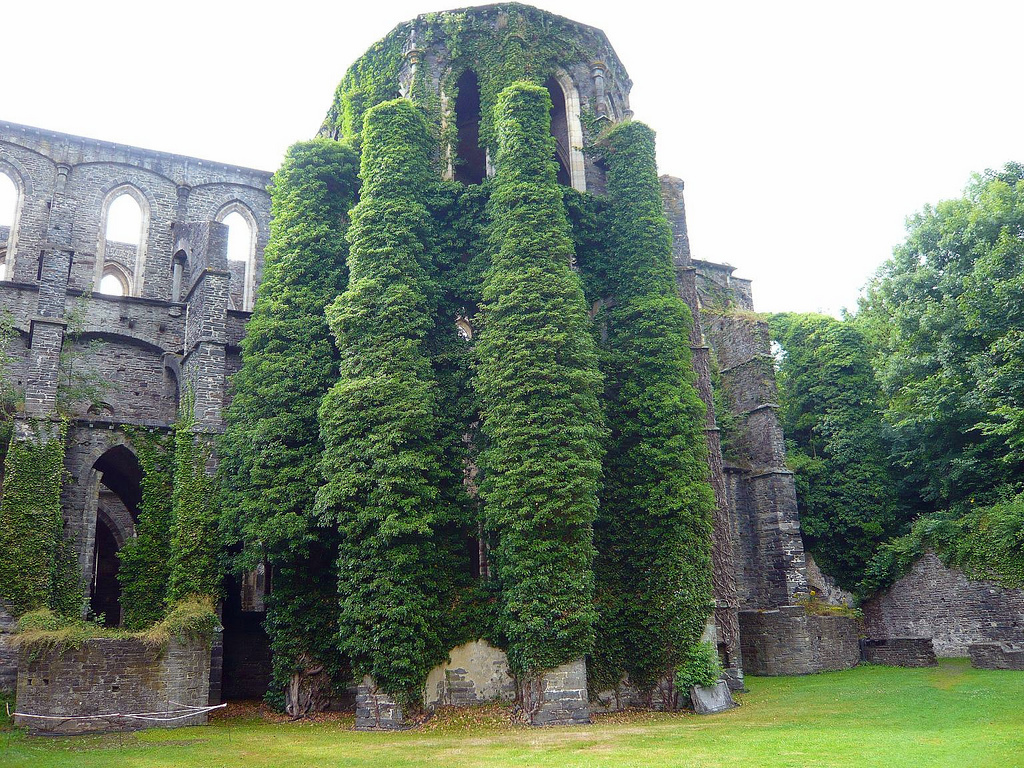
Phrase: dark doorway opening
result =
(117, 510)
(247, 663)
(106, 591)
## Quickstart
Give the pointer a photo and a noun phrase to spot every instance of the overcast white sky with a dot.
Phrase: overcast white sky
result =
(806, 131)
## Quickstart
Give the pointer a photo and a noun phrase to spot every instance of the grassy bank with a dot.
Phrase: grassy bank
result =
(951, 715)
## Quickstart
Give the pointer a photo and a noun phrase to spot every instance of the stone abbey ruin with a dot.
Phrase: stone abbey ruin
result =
(518, 344)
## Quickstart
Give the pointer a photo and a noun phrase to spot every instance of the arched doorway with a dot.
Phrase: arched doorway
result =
(118, 496)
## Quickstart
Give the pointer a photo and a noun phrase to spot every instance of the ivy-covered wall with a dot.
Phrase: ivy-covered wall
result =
(381, 464)
(423, 59)
(270, 452)
(37, 567)
(145, 569)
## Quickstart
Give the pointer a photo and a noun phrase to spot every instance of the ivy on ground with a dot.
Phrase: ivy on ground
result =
(380, 425)
(653, 533)
(538, 380)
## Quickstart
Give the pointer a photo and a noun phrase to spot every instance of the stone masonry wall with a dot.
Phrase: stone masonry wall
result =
(476, 672)
(997, 656)
(8, 653)
(941, 603)
(771, 569)
(899, 652)
(789, 641)
(106, 679)
(724, 534)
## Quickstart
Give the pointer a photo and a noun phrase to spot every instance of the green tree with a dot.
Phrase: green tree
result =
(833, 425)
(944, 315)
(538, 380)
(653, 533)
(270, 452)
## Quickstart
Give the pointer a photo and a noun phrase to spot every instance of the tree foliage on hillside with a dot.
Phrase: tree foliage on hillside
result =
(835, 443)
(946, 316)
(653, 533)
(538, 382)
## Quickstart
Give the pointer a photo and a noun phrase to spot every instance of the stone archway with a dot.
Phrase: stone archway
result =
(116, 485)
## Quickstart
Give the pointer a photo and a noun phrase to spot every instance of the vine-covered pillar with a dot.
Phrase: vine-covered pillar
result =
(538, 381)
(379, 424)
(655, 525)
(37, 565)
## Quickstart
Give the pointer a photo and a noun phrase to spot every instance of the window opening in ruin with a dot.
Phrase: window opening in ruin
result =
(118, 496)
(8, 206)
(113, 284)
(560, 130)
(124, 221)
(239, 237)
(470, 157)
(241, 252)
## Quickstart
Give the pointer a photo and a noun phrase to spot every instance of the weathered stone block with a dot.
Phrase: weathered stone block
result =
(997, 655)
(789, 641)
(899, 651)
(557, 697)
(711, 699)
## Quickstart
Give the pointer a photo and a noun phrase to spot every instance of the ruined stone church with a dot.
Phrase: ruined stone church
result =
(165, 306)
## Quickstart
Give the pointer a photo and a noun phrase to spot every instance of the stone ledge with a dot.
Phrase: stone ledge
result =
(997, 655)
(899, 651)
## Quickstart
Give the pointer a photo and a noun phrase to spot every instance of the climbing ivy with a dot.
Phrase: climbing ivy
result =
(983, 541)
(270, 452)
(500, 44)
(653, 534)
(538, 381)
(195, 540)
(380, 425)
(34, 570)
(145, 568)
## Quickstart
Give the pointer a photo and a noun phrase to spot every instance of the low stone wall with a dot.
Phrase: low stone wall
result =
(943, 604)
(789, 641)
(997, 656)
(8, 654)
(93, 687)
(899, 652)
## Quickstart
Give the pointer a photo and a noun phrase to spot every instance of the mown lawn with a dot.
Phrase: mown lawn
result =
(870, 716)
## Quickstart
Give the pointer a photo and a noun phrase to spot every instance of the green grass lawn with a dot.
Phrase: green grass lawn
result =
(870, 716)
